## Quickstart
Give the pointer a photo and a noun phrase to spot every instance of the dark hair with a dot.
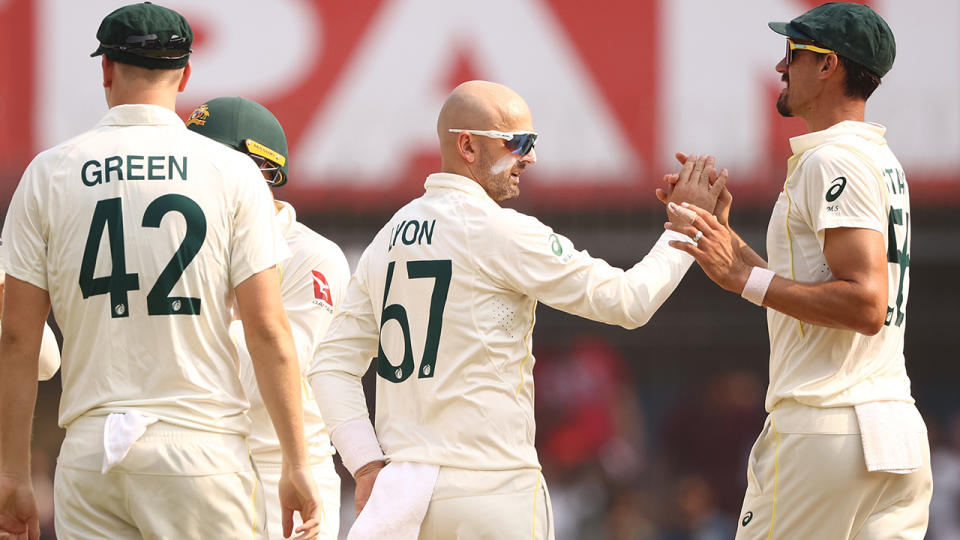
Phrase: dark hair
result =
(860, 81)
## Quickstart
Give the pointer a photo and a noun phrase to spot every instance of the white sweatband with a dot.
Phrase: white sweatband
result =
(757, 284)
(357, 443)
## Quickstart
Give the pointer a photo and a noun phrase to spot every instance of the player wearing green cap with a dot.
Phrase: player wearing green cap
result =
(312, 280)
(844, 451)
(140, 235)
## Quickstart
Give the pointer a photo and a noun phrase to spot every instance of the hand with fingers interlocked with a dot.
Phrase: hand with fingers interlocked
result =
(713, 247)
(703, 186)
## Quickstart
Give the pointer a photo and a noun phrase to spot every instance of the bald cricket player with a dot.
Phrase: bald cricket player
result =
(443, 300)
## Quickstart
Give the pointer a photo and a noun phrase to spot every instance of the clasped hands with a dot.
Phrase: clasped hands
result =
(697, 187)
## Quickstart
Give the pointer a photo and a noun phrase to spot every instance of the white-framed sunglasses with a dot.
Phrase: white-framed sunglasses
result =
(517, 142)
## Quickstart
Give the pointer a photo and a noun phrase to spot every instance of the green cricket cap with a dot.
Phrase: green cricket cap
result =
(246, 126)
(855, 31)
(145, 35)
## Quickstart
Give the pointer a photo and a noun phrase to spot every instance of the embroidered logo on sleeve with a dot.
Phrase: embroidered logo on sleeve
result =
(321, 290)
(836, 188)
(556, 247)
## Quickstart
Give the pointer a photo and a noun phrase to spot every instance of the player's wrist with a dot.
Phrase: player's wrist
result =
(756, 284)
(372, 467)
(357, 443)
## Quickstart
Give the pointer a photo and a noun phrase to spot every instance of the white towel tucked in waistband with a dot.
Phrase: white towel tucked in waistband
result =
(120, 431)
(398, 502)
(894, 436)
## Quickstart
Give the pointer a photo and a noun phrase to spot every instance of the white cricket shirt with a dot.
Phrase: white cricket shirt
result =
(444, 298)
(313, 281)
(140, 230)
(844, 176)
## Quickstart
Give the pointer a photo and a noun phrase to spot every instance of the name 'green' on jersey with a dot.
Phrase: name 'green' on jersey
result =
(140, 230)
(844, 176)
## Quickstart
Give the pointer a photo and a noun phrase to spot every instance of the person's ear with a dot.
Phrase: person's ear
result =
(187, 70)
(107, 66)
(466, 147)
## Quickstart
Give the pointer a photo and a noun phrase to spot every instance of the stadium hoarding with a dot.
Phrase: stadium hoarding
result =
(615, 86)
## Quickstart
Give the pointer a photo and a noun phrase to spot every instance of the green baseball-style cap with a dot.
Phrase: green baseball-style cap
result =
(145, 35)
(854, 31)
(246, 126)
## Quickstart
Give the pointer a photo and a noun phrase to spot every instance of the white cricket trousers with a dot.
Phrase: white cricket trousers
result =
(807, 479)
(328, 484)
(174, 483)
(489, 505)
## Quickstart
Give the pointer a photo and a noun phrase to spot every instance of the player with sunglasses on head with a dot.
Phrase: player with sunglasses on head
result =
(443, 300)
(844, 451)
(312, 282)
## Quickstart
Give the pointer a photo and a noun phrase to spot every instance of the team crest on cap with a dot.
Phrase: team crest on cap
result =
(199, 116)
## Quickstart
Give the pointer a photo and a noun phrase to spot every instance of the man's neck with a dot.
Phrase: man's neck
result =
(159, 98)
(821, 118)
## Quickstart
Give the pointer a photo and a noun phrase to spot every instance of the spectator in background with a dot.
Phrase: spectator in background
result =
(710, 436)
(945, 462)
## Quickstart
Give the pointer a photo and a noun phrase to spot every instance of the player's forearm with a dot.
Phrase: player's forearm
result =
(846, 305)
(274, 358)
(339, 396)
(25, 308)
(18, 394)
(747, 253)
(277, 370)
(342, 403)
(654, 279)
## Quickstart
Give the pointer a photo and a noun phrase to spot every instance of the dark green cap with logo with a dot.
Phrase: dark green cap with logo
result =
(243, 125)
(854, 31)
(145, 35)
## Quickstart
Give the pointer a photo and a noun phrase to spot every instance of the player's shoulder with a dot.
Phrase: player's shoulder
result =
(840, 157)
(510, 222)
(315, 246)
(53, 156)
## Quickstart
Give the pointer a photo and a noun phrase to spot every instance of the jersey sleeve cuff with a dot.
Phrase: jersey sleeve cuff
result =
(357, 444)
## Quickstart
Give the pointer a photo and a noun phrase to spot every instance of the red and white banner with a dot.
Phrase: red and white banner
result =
(615, 86)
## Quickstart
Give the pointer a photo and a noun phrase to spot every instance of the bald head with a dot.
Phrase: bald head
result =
(481, 105)
(484, 106)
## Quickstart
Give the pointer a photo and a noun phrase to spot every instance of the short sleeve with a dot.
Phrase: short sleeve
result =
(841, 189)
(256, 243)
(23, 242)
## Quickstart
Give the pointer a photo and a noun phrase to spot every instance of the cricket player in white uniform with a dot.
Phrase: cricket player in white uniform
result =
(443, 300)
(140, 234)
(844, 451)
(313, 281)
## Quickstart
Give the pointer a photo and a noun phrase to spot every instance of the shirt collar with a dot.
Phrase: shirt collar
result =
(865, 130)
(286, 217)
(455, 181)
(139, 115)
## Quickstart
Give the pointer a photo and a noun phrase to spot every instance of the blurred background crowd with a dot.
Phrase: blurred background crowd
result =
(642, 434)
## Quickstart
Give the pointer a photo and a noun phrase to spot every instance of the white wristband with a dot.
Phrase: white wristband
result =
(357, 443)
(757, 284)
